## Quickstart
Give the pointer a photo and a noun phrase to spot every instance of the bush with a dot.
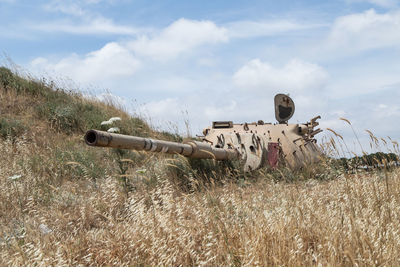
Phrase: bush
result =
(69, 114)
(11, 128)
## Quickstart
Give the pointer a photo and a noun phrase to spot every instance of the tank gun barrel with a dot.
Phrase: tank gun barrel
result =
(192, 149)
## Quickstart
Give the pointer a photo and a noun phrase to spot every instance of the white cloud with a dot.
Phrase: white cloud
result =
(248, 29)
(181, 36)
(66, 7)
(111, 61)
(384, 3)
(221, 111)
(386, 111)
(93, 26)
(364, 31)
(71, 7)
(169, 107)
(381, 3)
(120, 59)
(168, 114)
(84, 21)
(178, 111)
(184, 35)
(296, 75)
(363, 81)
(93, 1)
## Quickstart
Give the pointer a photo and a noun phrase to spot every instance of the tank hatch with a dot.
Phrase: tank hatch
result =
(284, 108)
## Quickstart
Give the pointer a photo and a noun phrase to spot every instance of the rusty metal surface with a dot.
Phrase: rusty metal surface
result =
(273, 155)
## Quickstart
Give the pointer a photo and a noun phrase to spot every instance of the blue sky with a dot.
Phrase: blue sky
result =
(199, 61)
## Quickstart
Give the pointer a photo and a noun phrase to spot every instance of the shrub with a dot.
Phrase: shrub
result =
(68, 114)
(11, 128)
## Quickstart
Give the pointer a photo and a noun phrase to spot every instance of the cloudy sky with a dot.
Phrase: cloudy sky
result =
(199, 61)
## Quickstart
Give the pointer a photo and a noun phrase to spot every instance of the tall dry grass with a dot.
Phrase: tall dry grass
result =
(47, 220)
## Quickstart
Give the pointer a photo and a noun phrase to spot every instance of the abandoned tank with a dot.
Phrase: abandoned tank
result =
(256, 144)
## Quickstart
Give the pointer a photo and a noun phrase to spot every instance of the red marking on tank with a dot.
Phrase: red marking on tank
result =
(273, 154)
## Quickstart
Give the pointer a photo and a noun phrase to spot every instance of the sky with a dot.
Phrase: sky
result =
(193, 62)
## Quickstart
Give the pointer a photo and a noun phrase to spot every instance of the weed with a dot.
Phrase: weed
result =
(12, 128)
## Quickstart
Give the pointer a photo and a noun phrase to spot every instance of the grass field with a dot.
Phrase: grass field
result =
(63, 203)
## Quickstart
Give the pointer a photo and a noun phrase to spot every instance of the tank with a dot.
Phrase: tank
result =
(256, 144)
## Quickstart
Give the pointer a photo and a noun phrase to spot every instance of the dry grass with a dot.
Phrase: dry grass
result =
(49, 219)
(64, 204)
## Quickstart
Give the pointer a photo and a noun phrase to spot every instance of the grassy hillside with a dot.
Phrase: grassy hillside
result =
(63, 203)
